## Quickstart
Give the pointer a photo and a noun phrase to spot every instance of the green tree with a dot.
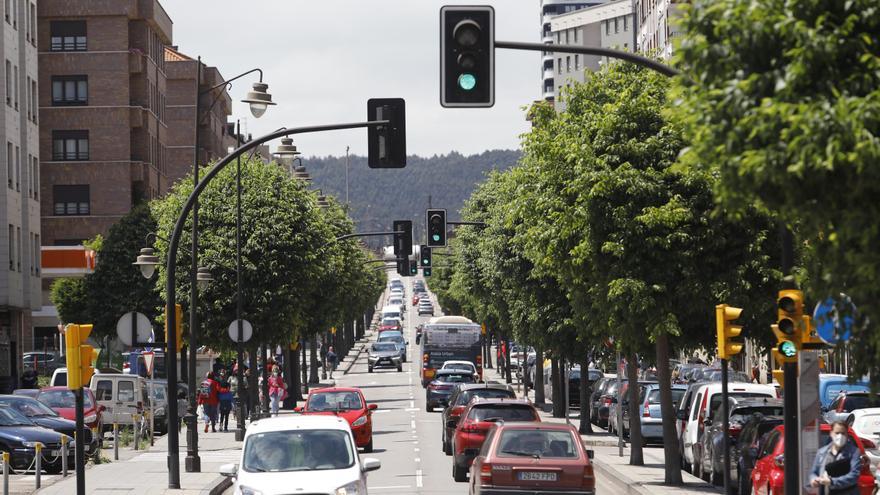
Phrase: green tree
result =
(785, 108)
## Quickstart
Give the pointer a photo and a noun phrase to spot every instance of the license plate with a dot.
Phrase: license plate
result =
(536, 476)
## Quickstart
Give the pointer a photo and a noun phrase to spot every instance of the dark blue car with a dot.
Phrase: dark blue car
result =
(19, 435)
(440, 388)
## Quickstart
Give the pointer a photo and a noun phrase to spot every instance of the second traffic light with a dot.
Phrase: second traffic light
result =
(789, 324)
(403, 242)
(386, 144)
(435, 218)
(425, 255)
(80, 356)
(467, 56)
(724, 318)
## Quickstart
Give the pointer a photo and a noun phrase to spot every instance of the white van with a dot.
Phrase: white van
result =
(123, 395)
(392, 312)
(707, 398)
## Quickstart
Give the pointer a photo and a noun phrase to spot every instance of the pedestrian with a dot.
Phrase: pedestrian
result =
(837, 465)
(277, 389)
(29, 379)
(217, 366)
(209, 399)
(245, 392)
(225, 396)
(331, 361)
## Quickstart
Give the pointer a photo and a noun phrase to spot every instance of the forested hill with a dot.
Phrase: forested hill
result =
(380, 196)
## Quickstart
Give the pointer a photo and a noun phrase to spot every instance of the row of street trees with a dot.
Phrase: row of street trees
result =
(297, 281)
(648, 201)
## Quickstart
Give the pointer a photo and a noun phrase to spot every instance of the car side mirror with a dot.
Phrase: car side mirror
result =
(682, 415)
(370, 464)
(591, 454)
(451, 423)
(229, 470)
(372, 407)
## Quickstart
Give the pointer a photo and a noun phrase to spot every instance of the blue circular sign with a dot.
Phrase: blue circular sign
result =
(834, 319)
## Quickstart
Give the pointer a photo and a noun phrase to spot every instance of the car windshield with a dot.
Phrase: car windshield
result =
(854, 402)
(455, 378)
(390, 322)
(502, 413)
(537, 443)
(31, 408)
(159, 392)
(63, 399)
(458, 366)
(489, 393)
(391, 338)
(334, 401)
(11, 417)
(716, 398)
(384, 347)
(654, 396)
(297, 450)
(742, 414)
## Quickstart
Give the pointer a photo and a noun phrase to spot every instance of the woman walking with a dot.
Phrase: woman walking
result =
(225, 397)
(277, 389)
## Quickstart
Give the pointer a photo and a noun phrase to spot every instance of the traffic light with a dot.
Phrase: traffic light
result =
(425, 253)
(426, 271)
(386, 144)
(467, 56)
(80, 355)
(403, 266)
(413, 267)
(724, 318)
(779, 376)
(403, 242)
(789, 325)
(436, 227)
(178, 328)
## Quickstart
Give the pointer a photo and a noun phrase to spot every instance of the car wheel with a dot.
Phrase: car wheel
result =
(697, 468)
(400, 368)
(369, 447)
(429, 407)
(369, 369)
(447, 448)
(459, 473)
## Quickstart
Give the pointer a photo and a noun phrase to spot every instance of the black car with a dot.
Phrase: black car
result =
(42, 415)
(439, 390)
(740, 411)
(746, 447)
(461, 395)
(574, 385)
(604, 396)
(18, 436)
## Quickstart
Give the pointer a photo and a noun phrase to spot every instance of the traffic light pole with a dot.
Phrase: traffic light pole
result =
(792, 434)
(368, 234)
(725, 418)
(79, 445)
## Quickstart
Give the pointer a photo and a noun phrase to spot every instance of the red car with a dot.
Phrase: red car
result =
(62, 401)
(533, 458)
(390, 324)
(348, 403)
(768, 476)
(476, 420)
(415, 300)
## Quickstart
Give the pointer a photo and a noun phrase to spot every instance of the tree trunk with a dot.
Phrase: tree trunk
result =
(295, 372)
(636, 457)
(289, 377)
(672, 463)
(264, 351)
(555, 389)
(539, 377)
(313, 362)
(305, 367)
(507, 378)
(585, 426)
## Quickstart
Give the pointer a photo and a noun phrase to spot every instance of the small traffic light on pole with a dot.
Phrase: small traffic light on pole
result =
(386, 144)
(178, 329)
(403, 266)
(436, 227)
(425, 255)
(426, 271)
(79, 356)
(724, 318)
(413, 267)
(467, 56)
(789, 325)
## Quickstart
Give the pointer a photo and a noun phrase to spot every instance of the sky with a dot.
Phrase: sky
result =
(323, 59)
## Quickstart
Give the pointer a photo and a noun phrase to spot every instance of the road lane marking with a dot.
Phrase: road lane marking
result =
(412, 404)
(412, 409)
(418, 478)
(393, 487)
(413, 424)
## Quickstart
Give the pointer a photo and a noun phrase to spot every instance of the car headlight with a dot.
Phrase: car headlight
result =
(353, 488)
(360, 421)
(246, 490)
(91, 418)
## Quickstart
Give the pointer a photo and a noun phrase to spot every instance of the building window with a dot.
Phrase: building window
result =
(16, 93)
(70, 90)
(559, 64)
(11, 247)
(35, 176)
(615, 25)
(566, 36)
(70, 145)
(34, 100)
(624, 23)
(7, 9)
(577, 62)
(568, 64)
(9, 83)
(9, 165)
(607, 27)
(575, 36)
(71, 200)
(17, 168)
(68, 36)
(18, 249)
(37, 254)
(33, 24)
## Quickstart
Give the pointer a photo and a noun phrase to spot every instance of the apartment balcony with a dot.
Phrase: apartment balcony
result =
(549, 74)
(549, 95)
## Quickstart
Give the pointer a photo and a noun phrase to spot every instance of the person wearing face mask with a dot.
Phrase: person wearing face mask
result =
(837, 465)
(277, 389)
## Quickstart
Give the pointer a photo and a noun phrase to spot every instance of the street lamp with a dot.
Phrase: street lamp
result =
(258, 99)
(147, 262)
(288, 154)
(203, 278)
(301, 174)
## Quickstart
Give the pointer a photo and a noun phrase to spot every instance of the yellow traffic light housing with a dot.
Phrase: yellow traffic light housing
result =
(178, 328)
(80, 355)
(779, 376)
(790, 325)
(724, 318)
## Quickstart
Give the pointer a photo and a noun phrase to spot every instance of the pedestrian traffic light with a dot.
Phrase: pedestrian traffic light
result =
(467, 56)
(413, 267)
(426, 271)
(80, 355)
(436, 227)
(386, 144)
(178, 329)
(789, 325)
(403, 241)
(724, 318)
(425, 254)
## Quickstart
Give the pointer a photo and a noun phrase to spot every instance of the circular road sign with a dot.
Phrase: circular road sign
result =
(247, 331)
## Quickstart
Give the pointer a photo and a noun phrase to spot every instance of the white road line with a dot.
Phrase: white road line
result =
(418, 478)
(412, 409)
(394, 487)
(412, 404)
(417, 459)
(413, 424)
(415, 449)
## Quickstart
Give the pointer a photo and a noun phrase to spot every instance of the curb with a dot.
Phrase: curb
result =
(218, 486)
(620, 482)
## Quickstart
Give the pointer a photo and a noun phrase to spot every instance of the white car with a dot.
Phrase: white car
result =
(459, 365)
(299, 454)
(866, 424)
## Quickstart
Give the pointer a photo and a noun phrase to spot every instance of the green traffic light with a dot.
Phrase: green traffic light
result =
(788, 349)
(424, 261)
(436, 237)
(467, 81)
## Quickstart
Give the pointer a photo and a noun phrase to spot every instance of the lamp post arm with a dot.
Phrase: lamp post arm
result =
(368, 234)
(592, 50)
(228, 81)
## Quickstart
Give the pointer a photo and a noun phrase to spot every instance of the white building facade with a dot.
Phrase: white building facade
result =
(549, 10)
(656, 26)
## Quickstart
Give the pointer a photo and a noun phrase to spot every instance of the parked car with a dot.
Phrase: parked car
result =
(302, 454)
(681, 372)
(348, 403)
(706, 400)
(63, 402)
(42, 362)
(831, 385)
(390, 324)
(461, 365)
(476, 420)
(711, 465)
(27, 392)
(847, 402)
(123, 396)
(574, 384)
(866, 424)
(532, 458)
(714, 375)
(649, 411)
(440, 388)
(42, 415)
(384, 354)
(19, 435)
(426, 309)
(622, 400)
(458, 401)
(160, 403)
(745, 450)
(768, 474)
(601, 401)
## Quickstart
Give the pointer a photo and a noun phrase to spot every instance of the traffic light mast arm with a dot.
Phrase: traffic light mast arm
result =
(478, 224)
(368, 234)
(592, 50)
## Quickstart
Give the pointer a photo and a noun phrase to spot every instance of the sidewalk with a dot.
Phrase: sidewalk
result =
(614, 472)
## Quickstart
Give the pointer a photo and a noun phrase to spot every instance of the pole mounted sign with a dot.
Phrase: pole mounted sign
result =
(134, 330)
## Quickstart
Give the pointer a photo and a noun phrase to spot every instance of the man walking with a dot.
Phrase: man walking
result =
(331, 361)
(208, 398)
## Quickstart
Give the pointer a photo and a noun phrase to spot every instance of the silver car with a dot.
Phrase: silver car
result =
(384, 354)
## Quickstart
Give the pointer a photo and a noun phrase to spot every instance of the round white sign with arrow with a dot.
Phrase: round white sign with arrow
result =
(143, 330)
(247, 331)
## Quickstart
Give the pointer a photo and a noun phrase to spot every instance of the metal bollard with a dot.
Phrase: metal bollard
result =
(115, 442)
(64, 456)
(134, 429)
(38, 459)
(5, 473)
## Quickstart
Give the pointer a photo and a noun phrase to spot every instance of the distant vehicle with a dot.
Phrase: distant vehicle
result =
(866, 424)
(745, 450)
(458, 401)
(123, 396)
(461, 365)
(831, 386)
(137, 365)
(714, 375)
(18, 434)
(426, 310)
(606, 400)
(43, 362)
(440, 388)
(622, 400)
(63, 402)
(347, 403)
(847, 402)
(59, 376)
(160, 402)
(649, 411)
(390, 324)
(533, 458)
(446, 338)
(574, 384)
(392, 312)
(477, 418)
(681, 372)
(384, 354)
(27, 392)
(397, 338)
(300, 454)
(42, 415)
(598, 407)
